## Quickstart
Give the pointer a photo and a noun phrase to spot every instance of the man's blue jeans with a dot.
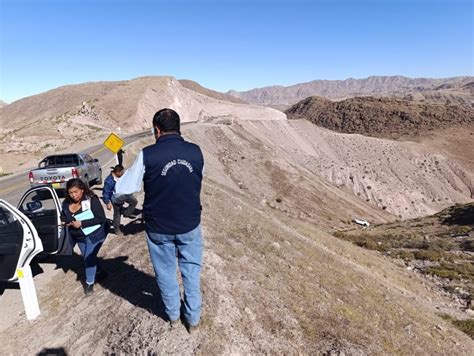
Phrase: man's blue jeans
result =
(163, 251)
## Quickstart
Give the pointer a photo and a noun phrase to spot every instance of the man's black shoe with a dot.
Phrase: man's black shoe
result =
(88, 289)
(192, 329)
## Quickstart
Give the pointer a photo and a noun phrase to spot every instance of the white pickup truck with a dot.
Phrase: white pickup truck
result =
(33, 227)
(56, 170)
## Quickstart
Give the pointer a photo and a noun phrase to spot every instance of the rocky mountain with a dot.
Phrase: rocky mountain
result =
(2, 104)
(446, 94)
(85, 113)
(380, 117)
(452, 90)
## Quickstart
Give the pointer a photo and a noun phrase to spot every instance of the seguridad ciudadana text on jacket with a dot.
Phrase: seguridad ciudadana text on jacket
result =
(171, 171)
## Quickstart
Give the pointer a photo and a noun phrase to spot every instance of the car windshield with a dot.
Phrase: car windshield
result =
(59, 161)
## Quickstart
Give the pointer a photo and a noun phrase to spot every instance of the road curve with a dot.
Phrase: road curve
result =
(12, 187)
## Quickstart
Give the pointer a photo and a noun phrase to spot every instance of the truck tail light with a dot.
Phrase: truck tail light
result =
(30, 177)
(74, 173)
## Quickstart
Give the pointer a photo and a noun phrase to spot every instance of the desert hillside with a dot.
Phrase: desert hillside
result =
(390, 176)
(406, 178)
(381, 117)
(68, 117)
(273, 280)
(444, 90)
(190, 84)
(2, 104)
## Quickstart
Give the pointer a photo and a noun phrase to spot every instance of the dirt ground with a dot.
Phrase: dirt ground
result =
(267, 288)
(274, 281)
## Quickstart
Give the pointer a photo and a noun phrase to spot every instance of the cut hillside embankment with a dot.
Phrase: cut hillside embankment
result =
(408, 179)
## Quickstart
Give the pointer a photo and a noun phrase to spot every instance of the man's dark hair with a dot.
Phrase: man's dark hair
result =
(118, 168)
(167, 120)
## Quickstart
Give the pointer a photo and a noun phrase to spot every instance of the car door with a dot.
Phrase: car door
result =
(92, 167)
(87, 169)
(98, 170)
(42, 207)
(19, 241)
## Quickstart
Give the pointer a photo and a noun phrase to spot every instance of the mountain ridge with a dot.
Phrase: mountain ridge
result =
(283, 96)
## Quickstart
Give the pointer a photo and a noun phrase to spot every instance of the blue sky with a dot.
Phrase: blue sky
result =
(229, 44)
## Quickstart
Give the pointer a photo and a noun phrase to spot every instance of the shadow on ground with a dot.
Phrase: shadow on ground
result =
(134, 227)
(123, 279)
(8, 285)
(59, 351)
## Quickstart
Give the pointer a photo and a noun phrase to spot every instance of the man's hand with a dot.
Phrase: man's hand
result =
(76, 224)
(109, 206)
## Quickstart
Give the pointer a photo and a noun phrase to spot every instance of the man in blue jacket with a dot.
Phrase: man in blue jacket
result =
(115, 201)
(171, 170)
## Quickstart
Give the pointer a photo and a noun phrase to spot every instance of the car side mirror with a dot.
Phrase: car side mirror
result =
(34, 205)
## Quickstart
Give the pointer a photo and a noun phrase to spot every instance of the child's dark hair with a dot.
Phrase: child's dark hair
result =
(118, 168)
(78, 183)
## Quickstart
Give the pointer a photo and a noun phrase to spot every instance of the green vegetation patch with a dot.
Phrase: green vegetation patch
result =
(365, 241)
(453, 271)
(434, 255)
(466, 326)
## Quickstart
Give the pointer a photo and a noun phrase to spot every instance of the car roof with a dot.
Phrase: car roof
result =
(66, 154)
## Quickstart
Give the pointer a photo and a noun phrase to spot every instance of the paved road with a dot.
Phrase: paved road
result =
(12, 187)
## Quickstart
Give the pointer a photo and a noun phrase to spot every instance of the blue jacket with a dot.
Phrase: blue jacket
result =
(108, 190)
(172, 184)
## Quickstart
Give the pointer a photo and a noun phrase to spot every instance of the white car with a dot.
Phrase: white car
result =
(31, 228)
